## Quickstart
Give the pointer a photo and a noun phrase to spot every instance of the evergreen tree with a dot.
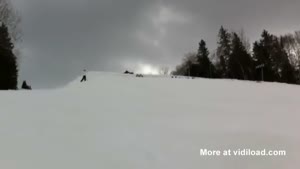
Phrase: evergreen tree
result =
(270, 52)
(205, 68)
(263, 54)
(240, 62)
(223, 52)
(8, 61)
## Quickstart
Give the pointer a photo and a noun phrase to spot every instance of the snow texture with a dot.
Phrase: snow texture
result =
(116, 121)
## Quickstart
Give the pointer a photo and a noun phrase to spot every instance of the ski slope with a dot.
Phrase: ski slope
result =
(116, 121)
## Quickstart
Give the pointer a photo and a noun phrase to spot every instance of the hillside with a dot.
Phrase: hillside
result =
(116, 121)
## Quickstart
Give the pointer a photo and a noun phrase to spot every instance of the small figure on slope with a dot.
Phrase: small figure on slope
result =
(84, 79)
(128, 72)
(25, 86)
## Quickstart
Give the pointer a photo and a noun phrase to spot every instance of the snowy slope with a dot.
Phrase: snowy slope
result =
(116, 121)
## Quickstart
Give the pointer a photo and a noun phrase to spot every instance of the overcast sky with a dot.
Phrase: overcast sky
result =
(63, 37)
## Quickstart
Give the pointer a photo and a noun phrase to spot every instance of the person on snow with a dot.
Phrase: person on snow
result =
(26, 86)
(84, 79)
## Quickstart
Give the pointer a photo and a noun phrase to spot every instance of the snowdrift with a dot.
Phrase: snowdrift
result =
(116, 121)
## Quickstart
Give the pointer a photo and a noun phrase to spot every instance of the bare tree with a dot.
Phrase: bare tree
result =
(11, 19)
(297, 46)
(164, 70)
(245, 40)
(184, 68)
(297, 36)
(291, 43)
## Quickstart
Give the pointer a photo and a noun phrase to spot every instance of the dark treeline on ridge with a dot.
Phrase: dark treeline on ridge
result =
(272, 58)
(8, 35)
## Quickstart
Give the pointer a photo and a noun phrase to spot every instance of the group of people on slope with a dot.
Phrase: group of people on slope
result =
(84, 77)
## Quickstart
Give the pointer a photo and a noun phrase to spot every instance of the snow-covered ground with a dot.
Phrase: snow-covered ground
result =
(116, 121)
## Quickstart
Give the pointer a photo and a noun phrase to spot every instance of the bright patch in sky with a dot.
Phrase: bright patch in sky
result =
(147, 69)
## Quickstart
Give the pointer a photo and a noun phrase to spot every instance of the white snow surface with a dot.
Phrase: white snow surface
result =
(116, 121)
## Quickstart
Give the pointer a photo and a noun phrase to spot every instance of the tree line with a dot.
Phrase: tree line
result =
(9, 34)
(272, 58)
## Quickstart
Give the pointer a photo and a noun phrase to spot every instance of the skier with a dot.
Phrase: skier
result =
(84, 79)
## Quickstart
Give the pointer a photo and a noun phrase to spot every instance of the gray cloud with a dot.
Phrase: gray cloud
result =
(62, 37)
